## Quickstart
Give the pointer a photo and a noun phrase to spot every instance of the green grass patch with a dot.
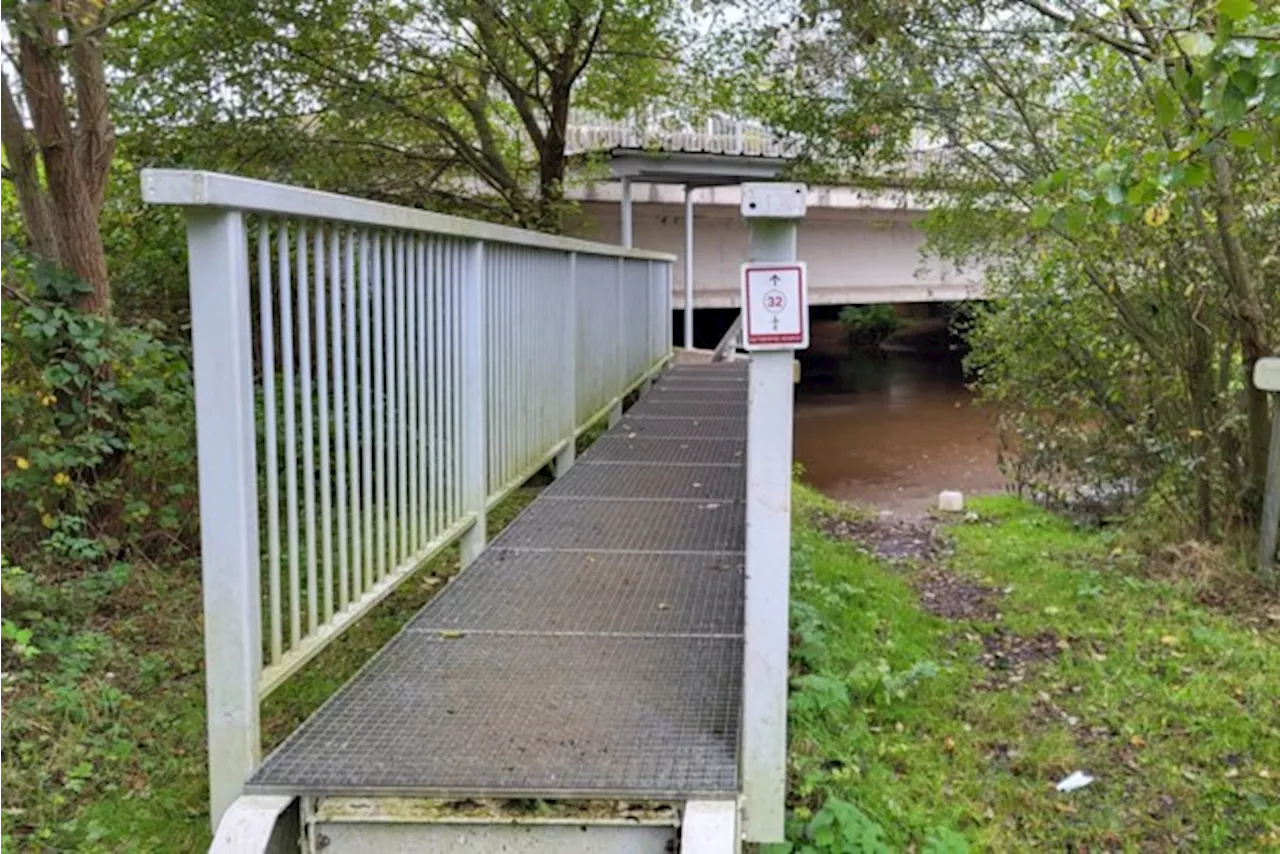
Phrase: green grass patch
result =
(906, 735)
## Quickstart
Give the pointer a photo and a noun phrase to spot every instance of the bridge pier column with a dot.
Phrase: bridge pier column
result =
(688, 266)
(626, 212)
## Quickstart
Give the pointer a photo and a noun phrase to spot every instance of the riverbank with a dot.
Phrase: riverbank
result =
(946, 679)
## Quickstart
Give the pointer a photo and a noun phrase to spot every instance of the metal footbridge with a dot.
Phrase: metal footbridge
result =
(370, 382)
(594, 650)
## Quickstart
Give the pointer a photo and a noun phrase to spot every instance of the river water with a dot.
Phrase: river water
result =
(892, 430)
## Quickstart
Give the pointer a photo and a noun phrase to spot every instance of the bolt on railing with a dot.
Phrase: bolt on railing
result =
(370, 379)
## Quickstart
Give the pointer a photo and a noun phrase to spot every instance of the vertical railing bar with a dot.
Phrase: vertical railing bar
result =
(528, 380)
(271, 439)
(379, 404)
(424, 283)
(402, 395)
(357, 438)
(498, 317)
(446, 282)
(509, 391)
(290, 430)
(370, 327)
(322, 391)
(459, 395)
(442, 347)
(339, 417)
(308, 427)
(522, 279)
(490, 374)
(411, 412)
(502, 338)
(456, 383)
(438, 392)
(434, 344)
(388, 408)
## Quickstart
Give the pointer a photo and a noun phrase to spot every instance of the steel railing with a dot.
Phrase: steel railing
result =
(671, 132)
(371, 379)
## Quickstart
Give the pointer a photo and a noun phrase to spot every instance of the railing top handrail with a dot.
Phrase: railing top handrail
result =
(195, 188)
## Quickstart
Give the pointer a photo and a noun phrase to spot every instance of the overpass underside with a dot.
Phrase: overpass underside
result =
(860, 248)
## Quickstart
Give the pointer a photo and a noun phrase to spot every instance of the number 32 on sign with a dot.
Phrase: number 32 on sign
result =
(775, 306)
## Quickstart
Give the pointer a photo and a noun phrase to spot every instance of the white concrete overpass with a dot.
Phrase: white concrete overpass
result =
(675, 187)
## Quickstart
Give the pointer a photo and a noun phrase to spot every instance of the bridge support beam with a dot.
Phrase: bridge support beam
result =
(688, 266)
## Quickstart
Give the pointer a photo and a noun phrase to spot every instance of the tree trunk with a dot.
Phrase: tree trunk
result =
(1251, 324)
(551, 160)
(1200, 389)
(62, 220)
(33, 202)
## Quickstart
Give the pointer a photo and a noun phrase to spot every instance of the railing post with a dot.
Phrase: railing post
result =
(221, 332)
(569, 359)
(474, 391)
(768, 539)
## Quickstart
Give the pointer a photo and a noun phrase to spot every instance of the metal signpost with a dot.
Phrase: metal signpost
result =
(1266, 376)
(775, 323)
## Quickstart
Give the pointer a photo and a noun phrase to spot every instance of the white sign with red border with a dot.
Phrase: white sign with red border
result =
(775, 306)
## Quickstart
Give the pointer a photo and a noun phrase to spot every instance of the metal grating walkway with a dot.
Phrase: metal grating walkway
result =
(593, 651)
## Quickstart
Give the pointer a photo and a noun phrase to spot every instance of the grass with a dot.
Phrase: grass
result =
(104, 749)
(904, 737)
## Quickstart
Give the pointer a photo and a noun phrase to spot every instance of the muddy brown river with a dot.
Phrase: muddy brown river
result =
(892, 430)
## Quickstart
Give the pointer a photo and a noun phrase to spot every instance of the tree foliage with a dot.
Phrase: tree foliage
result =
(460, 104)
(1112, 166)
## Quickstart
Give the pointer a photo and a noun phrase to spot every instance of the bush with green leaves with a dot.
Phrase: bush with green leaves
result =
(99, 453)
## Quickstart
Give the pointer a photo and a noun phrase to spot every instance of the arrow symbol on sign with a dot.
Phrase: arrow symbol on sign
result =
(774, 279)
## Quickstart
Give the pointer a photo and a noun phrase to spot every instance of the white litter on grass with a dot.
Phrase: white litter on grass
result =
(1075, 780)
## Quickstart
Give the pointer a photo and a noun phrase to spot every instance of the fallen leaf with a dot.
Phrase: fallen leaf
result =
(1138, 741)
(949, 744)
(1169, 640)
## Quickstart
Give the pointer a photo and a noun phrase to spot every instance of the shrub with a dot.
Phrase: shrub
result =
(869, 324)
(98, 429)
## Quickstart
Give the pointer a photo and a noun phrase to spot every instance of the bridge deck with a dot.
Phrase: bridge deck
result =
(593, 651)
